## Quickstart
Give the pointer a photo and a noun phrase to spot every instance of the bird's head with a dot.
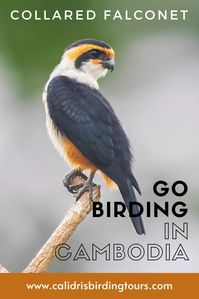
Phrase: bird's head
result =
(90, 56)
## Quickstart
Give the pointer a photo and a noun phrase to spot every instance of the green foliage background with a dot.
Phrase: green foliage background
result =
(32, 48)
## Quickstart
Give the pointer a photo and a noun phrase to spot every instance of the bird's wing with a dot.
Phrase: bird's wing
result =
(80, 113)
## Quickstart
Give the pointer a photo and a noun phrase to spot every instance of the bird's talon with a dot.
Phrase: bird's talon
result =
(81, 192)
(67, 181)
(71, 176)
(75, 188)
(72, 189)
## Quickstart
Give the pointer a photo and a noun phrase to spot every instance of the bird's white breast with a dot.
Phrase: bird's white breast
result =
(57, 139)
(65, 68)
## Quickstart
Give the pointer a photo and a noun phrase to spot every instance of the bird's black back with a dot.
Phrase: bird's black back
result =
(82, 114)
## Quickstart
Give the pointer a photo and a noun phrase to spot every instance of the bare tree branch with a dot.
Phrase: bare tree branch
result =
(65, 229)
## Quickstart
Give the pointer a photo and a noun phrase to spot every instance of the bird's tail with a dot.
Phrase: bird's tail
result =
(128, 195)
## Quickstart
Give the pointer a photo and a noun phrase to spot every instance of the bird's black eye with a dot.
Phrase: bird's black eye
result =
(96, 54)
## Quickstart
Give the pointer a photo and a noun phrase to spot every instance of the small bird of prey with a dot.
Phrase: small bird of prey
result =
(83, 125)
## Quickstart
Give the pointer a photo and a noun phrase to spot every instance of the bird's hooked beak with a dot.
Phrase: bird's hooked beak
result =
(109, 64)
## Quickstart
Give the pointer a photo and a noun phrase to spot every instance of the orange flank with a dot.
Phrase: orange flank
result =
(78, 160)
(75, 157)
(110, 183)
(76, 52)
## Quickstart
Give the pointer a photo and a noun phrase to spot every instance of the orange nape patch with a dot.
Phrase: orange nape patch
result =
(78, 160)
(77, 51)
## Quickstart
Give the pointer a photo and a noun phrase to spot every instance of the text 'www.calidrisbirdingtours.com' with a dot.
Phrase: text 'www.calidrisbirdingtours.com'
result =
(99, 286)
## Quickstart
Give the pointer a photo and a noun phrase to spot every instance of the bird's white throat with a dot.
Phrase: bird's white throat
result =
(67, 68)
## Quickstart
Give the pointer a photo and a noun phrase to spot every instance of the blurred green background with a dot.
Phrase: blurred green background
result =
(33, 47)
(155, 92)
